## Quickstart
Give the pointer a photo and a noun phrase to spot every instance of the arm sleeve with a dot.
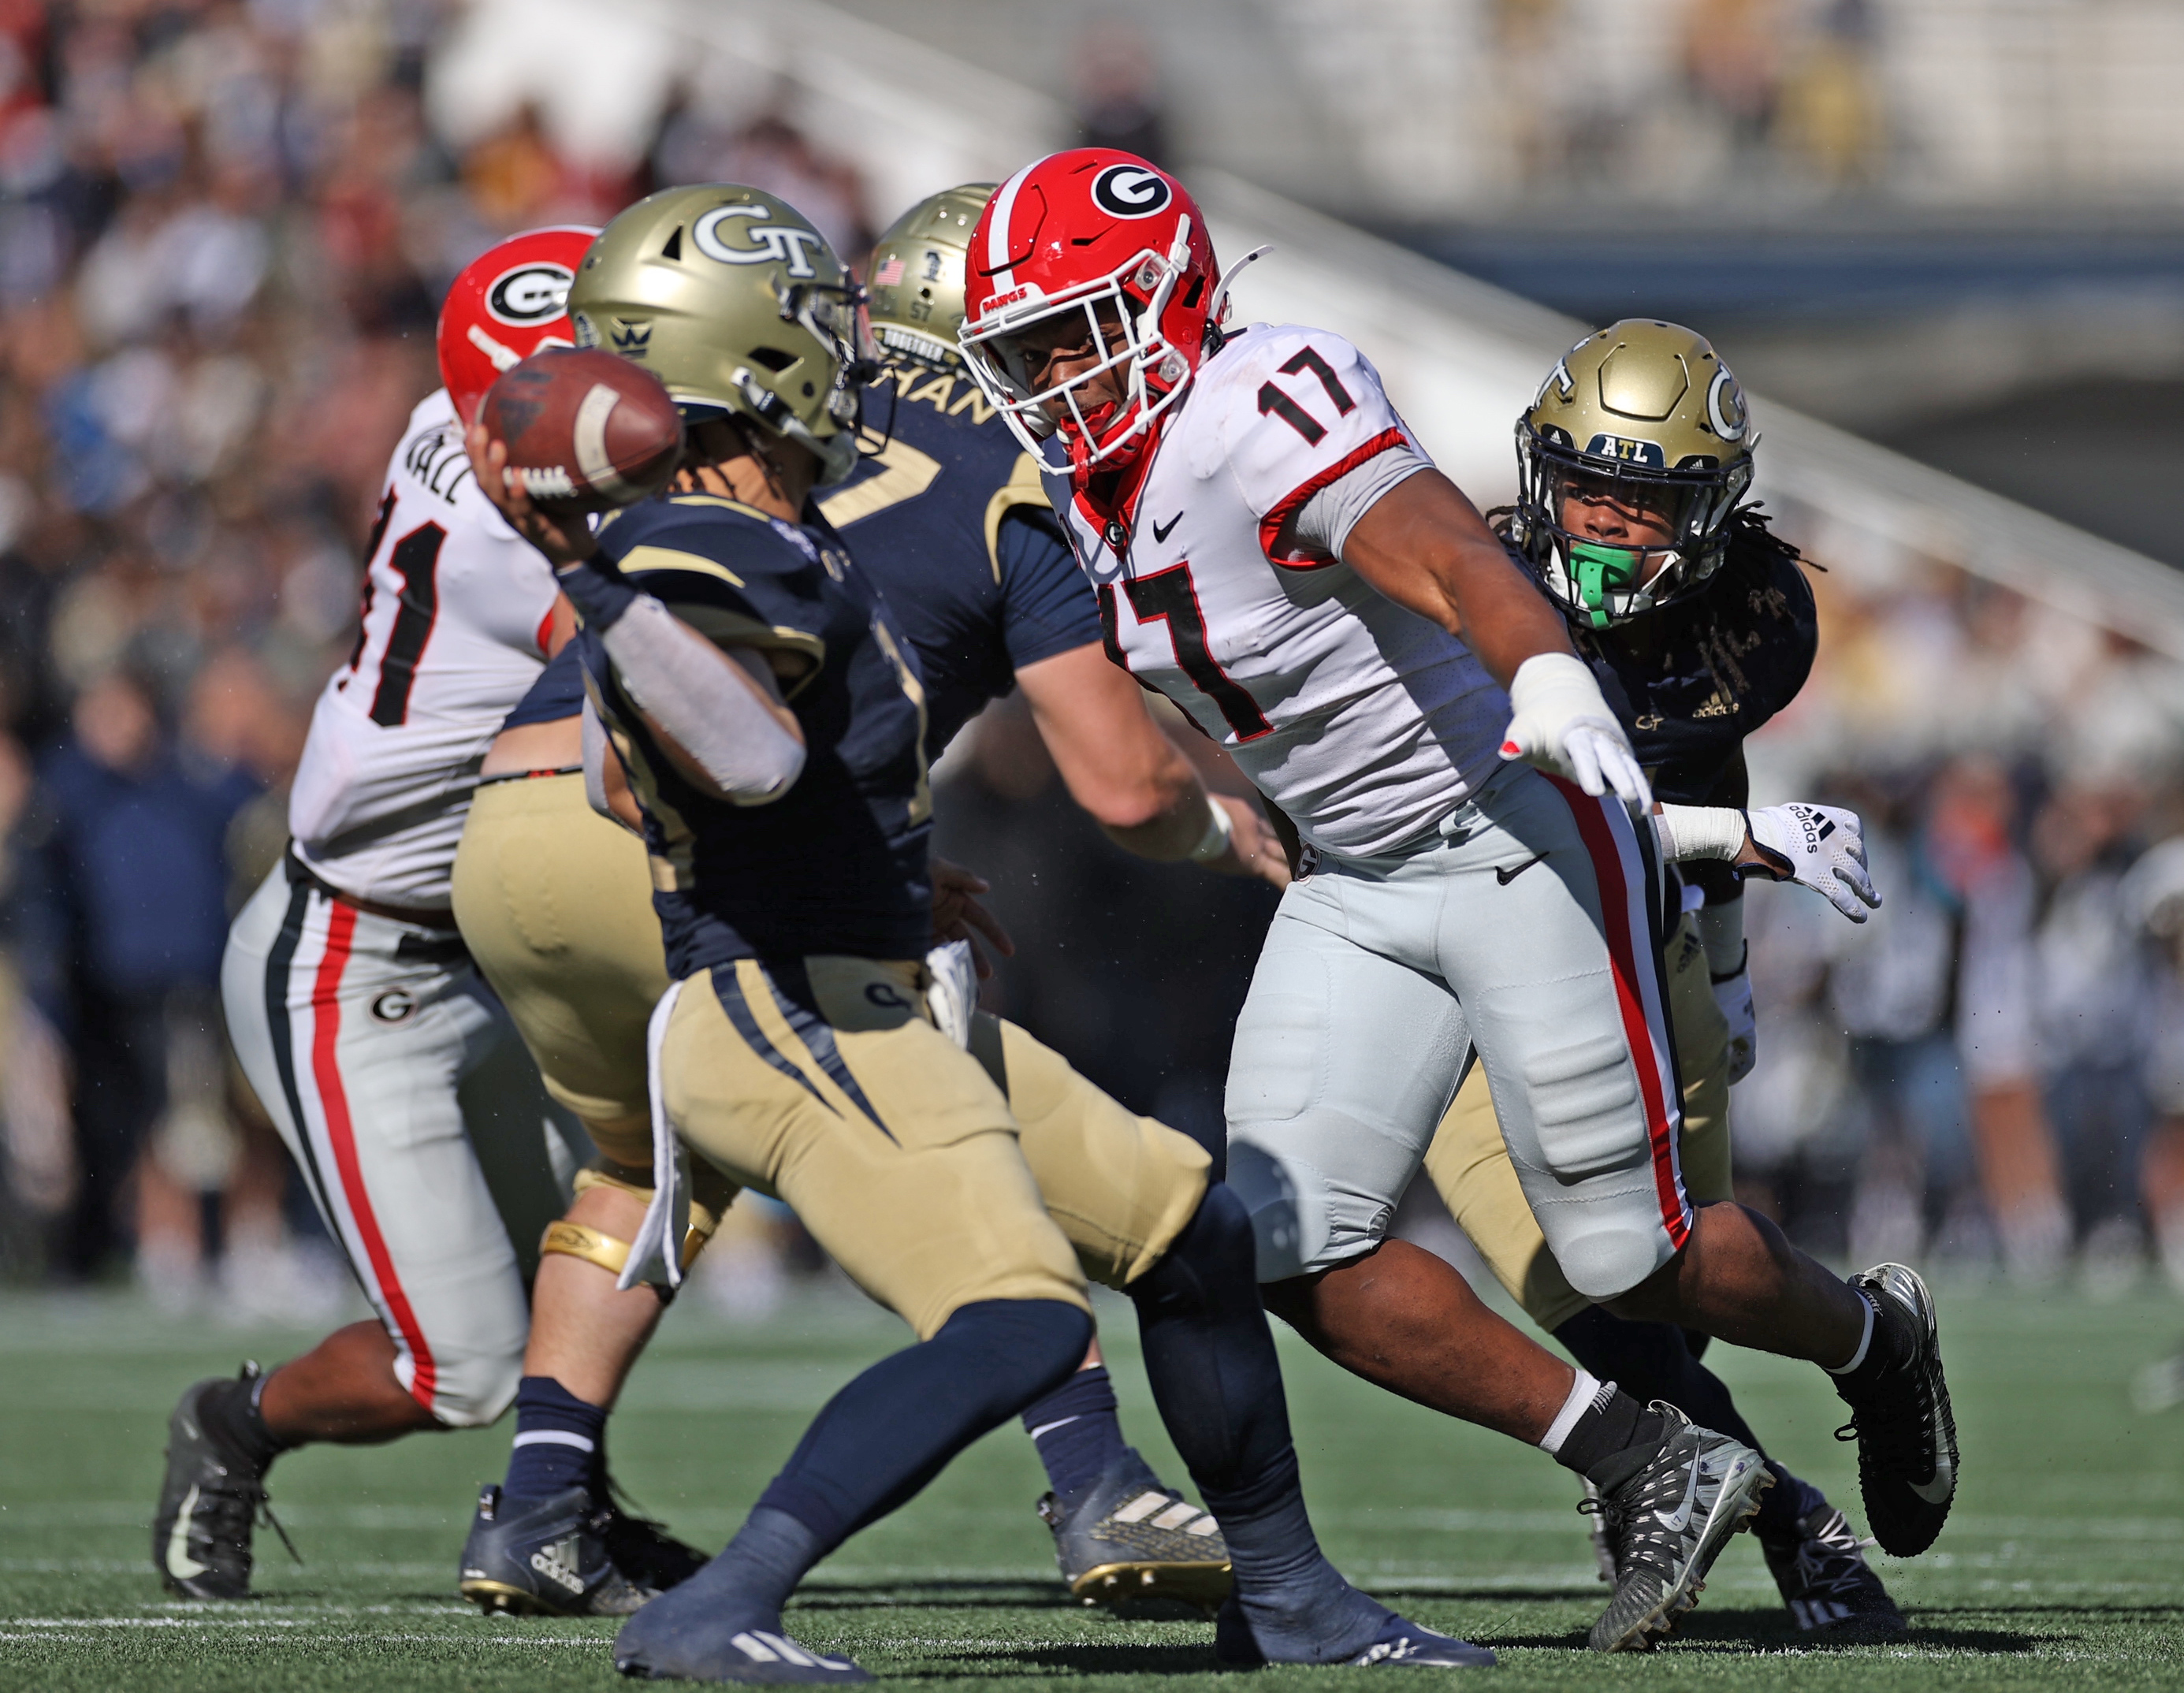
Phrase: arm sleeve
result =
(1308, 417)
(1047, 607)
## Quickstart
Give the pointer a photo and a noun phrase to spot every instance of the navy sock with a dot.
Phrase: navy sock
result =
(560, 1441)
(1211, 1358)
(1077, 1432)
(1651, 1361)
(886, 1434)
(1655, 1361)
(1783, 1507)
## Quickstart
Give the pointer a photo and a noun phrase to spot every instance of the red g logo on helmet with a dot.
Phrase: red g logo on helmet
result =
(508, 302)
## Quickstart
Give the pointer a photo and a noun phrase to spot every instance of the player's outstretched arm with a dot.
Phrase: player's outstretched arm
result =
(716, 712)
(1133, 780)
(1424, 546)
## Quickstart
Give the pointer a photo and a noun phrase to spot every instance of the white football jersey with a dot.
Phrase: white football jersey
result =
(1364, 723)
(457, 609)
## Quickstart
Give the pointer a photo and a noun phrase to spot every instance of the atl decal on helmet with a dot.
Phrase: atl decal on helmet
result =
(1130, 190)
(529, 294)
(782, 244)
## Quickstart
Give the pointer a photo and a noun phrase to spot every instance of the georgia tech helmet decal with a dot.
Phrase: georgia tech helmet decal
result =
(529, 294)
(1725, 409)
(1130, 190)
(771, 243)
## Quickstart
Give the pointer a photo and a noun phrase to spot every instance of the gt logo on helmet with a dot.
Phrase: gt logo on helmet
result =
(528, 294)
(778, 243)
(1130, 190)
(1725, 409)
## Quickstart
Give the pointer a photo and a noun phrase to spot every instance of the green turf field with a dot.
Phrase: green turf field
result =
(2063, 1566)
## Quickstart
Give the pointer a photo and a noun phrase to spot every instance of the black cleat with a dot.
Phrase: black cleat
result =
(1400, 1642)
(1137, 1546)
(648, 1556)
(209, 1503)
(547, 1558)
(1827, 1584)
(704, 1630)
(1902, 1421)
(1668, 1523)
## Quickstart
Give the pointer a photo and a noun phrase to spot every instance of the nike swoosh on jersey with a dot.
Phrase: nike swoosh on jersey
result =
(179, 1564)
(1161, 534)
(1506, 876)
(1680, 1519)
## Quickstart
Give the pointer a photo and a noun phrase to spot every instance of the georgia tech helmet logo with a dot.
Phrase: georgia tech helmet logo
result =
(1725, 409)
(530, 293)
(1130, 190)
(775, 244)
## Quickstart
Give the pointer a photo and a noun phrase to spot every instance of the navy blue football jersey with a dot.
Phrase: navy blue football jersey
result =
(838, 863)
(558, 693)
(1691, 680)
(952, 523)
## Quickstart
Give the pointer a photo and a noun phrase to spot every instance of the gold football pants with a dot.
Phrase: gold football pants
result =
(555, 902)
(1469, 1167)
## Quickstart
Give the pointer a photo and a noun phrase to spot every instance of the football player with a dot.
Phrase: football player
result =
(764, 706)
(1700, 626)
(395, 1076)
(1272, 549)
(954, 528)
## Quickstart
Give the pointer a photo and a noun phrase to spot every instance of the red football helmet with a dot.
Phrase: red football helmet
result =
(508, 302)
(1098, 237)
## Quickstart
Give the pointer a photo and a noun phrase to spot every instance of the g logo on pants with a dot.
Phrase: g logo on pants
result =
(395, 1005)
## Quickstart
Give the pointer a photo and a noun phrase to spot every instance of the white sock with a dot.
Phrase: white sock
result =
(1865, 1340)
(1584, 1393)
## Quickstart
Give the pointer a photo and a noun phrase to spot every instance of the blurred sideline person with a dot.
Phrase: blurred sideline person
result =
(1272, 550)
(779, 763)
(384, 1059)
(554, 901)
(1700, 626)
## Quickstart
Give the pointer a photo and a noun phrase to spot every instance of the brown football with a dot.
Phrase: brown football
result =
(586, 430)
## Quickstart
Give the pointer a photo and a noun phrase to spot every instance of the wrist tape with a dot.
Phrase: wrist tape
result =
(1688, 831)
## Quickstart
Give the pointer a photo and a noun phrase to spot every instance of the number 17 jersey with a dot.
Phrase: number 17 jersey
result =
(1364, 723)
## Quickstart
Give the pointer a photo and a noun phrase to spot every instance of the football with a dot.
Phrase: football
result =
(586, 430)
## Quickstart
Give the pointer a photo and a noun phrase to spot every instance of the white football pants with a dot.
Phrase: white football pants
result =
(1519, 932)
(418, 1119)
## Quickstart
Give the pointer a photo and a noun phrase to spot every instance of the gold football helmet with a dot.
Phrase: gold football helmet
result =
(916, 286)
(733, 300)
(1643, 417)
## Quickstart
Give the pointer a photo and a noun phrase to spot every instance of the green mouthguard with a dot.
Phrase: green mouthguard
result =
(1600, 570)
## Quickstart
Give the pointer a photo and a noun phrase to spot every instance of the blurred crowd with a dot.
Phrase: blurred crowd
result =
(224, 231)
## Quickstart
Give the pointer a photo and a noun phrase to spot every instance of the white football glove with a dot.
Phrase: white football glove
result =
(1733, 993)
(1561, 724)
(1821, 846)
(953, 995)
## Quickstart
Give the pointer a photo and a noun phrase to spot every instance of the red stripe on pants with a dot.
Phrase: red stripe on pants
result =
(1607, 870)
(333, 1101)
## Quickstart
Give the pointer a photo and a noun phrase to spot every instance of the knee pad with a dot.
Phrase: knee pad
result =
(1288, 1216)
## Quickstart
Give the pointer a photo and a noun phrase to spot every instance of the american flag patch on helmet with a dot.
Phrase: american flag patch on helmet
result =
(889, 274)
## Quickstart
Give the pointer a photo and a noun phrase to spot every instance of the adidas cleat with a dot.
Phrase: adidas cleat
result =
(1902, 1420)
(1827, 1584)
(546, 1557)
(1400, 1642)
(1133, 1544)
(1668, 1523)
(209, 1504)
(704, 1630)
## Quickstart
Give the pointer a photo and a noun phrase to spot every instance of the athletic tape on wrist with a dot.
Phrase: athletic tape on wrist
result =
(1690, 832)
